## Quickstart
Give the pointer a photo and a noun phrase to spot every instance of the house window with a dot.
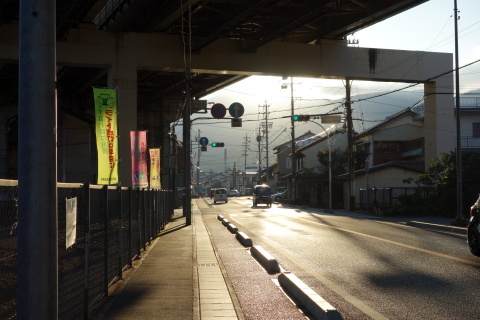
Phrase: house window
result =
(288, 163)
(476, 129)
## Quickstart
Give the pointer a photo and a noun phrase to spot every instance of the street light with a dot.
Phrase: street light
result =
(329, 163)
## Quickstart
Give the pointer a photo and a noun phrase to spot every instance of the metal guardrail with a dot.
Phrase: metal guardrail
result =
(114, 226)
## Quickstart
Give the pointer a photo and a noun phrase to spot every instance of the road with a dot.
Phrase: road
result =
(367, 268)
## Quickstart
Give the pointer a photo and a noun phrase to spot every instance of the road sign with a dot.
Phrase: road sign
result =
(203, 141)
(218, 111)
(203, 148)
(237, 122)
(236, 110)
(331, 119)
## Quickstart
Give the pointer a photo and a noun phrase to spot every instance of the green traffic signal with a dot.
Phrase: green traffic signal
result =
(217, 144)
(301, 117)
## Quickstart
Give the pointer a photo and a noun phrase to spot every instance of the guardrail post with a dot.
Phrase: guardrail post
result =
(86, 258)
(144, 222)
(105, 239)
(139, 226)
(120, 234)
(130, 231)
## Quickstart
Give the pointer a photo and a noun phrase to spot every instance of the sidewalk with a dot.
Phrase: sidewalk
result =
(179, 277)
(180, 267)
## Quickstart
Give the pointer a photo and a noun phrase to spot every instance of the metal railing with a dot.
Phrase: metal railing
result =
(114, 226)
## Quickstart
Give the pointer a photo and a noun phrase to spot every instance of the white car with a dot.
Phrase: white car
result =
(234, 193)
(220, 194)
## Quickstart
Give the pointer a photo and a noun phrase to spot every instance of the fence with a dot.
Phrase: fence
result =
(114, 225)
(383, 198)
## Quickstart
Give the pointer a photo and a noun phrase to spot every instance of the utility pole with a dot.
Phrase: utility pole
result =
(266, 126)
(198, 165)
(259, 140)
(459, 217)
(37, 261)
(187, 198)
(246, 149)
(351, 161)
(294, 163)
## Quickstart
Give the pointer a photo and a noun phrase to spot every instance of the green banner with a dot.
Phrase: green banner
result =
(106, 132)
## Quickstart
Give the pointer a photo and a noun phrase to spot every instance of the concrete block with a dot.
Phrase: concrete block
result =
(220, 217)
(232, 228)
(265, 259)
(244, 239)
(316, 305)
(225, 222)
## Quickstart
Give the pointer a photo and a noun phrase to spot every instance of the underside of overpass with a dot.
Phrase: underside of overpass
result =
(141, 47)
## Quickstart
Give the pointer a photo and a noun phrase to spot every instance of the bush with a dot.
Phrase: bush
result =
(416, 205)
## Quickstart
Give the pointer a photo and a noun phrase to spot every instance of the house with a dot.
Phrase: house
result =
(470, 121)
(284, 163)
(311, 187)
(396, 152)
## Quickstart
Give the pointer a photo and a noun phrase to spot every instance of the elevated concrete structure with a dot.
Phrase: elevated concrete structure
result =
(126, 53)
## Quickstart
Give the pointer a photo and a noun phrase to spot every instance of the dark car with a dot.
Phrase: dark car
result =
(262, 194)
(473, 235)
(279, 196)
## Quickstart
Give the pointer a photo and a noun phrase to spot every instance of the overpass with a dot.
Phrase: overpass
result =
(143, 48)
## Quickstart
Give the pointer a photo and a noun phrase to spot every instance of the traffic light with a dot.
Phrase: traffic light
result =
(301, 117)
(218, 144)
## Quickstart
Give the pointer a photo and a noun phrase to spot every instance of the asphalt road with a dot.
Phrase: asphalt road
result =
(365, 267)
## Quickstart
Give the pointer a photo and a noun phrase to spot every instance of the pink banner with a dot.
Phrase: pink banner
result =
(138, 143)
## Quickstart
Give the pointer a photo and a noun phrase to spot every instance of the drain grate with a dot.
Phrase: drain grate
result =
(207, 265)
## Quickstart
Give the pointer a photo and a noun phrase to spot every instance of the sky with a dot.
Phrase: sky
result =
(427, 27)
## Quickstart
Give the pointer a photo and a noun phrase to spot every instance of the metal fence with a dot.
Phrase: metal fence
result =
(114, 226)
(385, 198)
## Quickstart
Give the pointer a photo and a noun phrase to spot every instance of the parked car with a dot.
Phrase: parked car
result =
(234, 193)
(473, 233)
(262, 194)
(220, 195)
(276, 197)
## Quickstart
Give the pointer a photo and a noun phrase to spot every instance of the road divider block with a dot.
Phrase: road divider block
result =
(232, 228)
(225, 222)
(266, 259)
(316, 305)
(220, 217)
(244, 239)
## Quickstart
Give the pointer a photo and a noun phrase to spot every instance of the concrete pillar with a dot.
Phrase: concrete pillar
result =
(123, 76)
(439, 124)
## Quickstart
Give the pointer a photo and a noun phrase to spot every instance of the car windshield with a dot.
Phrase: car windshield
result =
(219, 191)
(265, 189)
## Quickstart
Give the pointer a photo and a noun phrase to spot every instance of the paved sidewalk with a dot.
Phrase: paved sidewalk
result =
(178, 277)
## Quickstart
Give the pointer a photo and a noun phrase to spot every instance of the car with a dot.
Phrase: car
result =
(234, 193)
(276, 197)
(262, 194)
(473, 228)
(220, 194)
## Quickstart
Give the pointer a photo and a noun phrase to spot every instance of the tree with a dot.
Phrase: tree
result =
(340, 160)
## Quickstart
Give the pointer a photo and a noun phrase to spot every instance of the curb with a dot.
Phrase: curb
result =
(266, 259)
(316, 305)
(454, 229)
